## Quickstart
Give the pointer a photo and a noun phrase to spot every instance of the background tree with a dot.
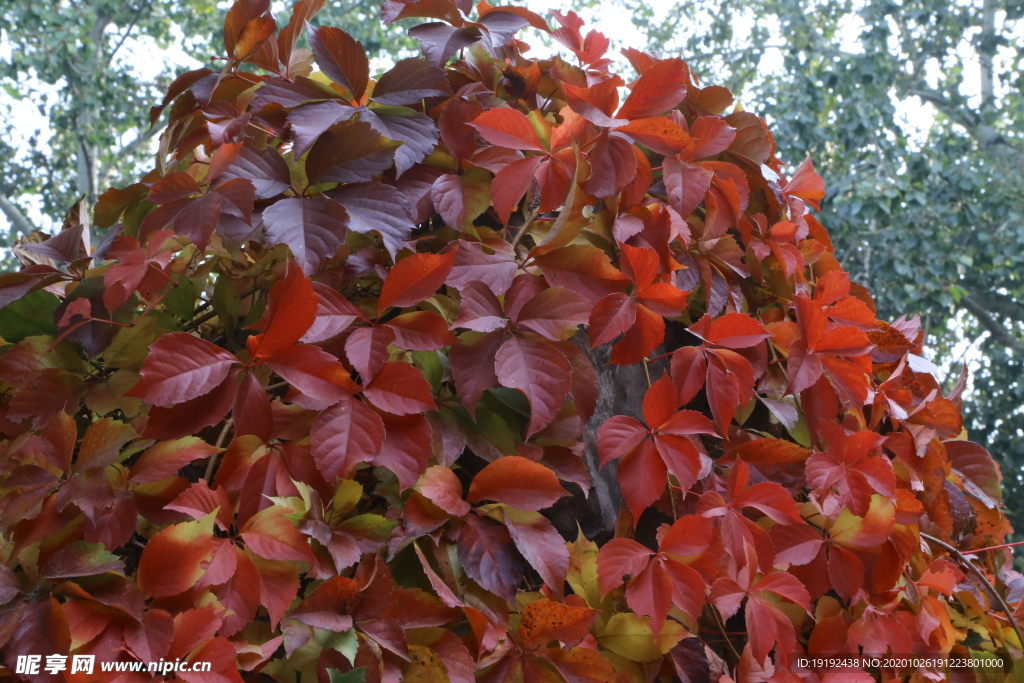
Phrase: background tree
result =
(932, 219)
(78, 63)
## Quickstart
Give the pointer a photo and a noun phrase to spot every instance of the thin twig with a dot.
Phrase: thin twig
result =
(977, 572)
(216, 456)
(211, 314)
(996, 547)
(647, 374)
(526, 228)
(725, 635)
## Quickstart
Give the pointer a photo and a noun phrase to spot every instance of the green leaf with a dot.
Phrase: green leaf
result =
(181, 301)
(346, 642)
(353, 676)
(29, 316)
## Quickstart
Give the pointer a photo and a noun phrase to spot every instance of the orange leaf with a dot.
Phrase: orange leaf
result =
(545, 620)
(769, 450)
(518, 482)
(171, 562)
(415, 278)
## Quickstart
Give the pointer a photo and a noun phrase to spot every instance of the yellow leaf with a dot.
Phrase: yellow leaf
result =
(630, 636)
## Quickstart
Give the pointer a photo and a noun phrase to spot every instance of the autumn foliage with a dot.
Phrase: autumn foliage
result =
(317, 403)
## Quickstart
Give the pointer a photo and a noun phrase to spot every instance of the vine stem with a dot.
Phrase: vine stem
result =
(997, 547)
(523, 230)
(977, 572)
(647, 374)
(725, 634)
(212, 464)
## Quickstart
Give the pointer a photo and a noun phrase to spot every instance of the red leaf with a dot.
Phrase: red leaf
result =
(279, 584)
(334, 313)
(610, 317)
(171, 561)
(251, 412)
(540, 372)
(612, 165)
(312, 227)
(400, 389)
(410, 81)
(849, 468)
(421, 331)
(442, 487)
(554, 313)
(642, 477)
(173, 186)
(732, 330)
(367, 349)
(618, 436)
(313, 372)
(786, 586)
(507, 127)
(291, 310)
(473, 368)
(658, 133)
(407, 447)
(597, 102)
(686, 184)
(540, 544)
(659, 402)
(191, 416)
(511, 183)
(649, 594)
(270, 535)
(479, 309)
(345, 435)
(771, 500)
(806, 184)
(713, 137)
(660, 88)
(341, 57)
(516, 481)
(489, 558)
(639, 264)
(619, 559)
(199, 500)
(641, 339)
(181, 367)
(167, 457)
(415, 278)
(324, 607)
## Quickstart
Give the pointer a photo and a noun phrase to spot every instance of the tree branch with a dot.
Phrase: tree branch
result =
(144, 136)
(985, 319)
(19, 221)
(967, 564)
(127, 31)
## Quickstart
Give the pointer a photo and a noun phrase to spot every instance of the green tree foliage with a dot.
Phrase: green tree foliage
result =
(930, 220)
(76, 61)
